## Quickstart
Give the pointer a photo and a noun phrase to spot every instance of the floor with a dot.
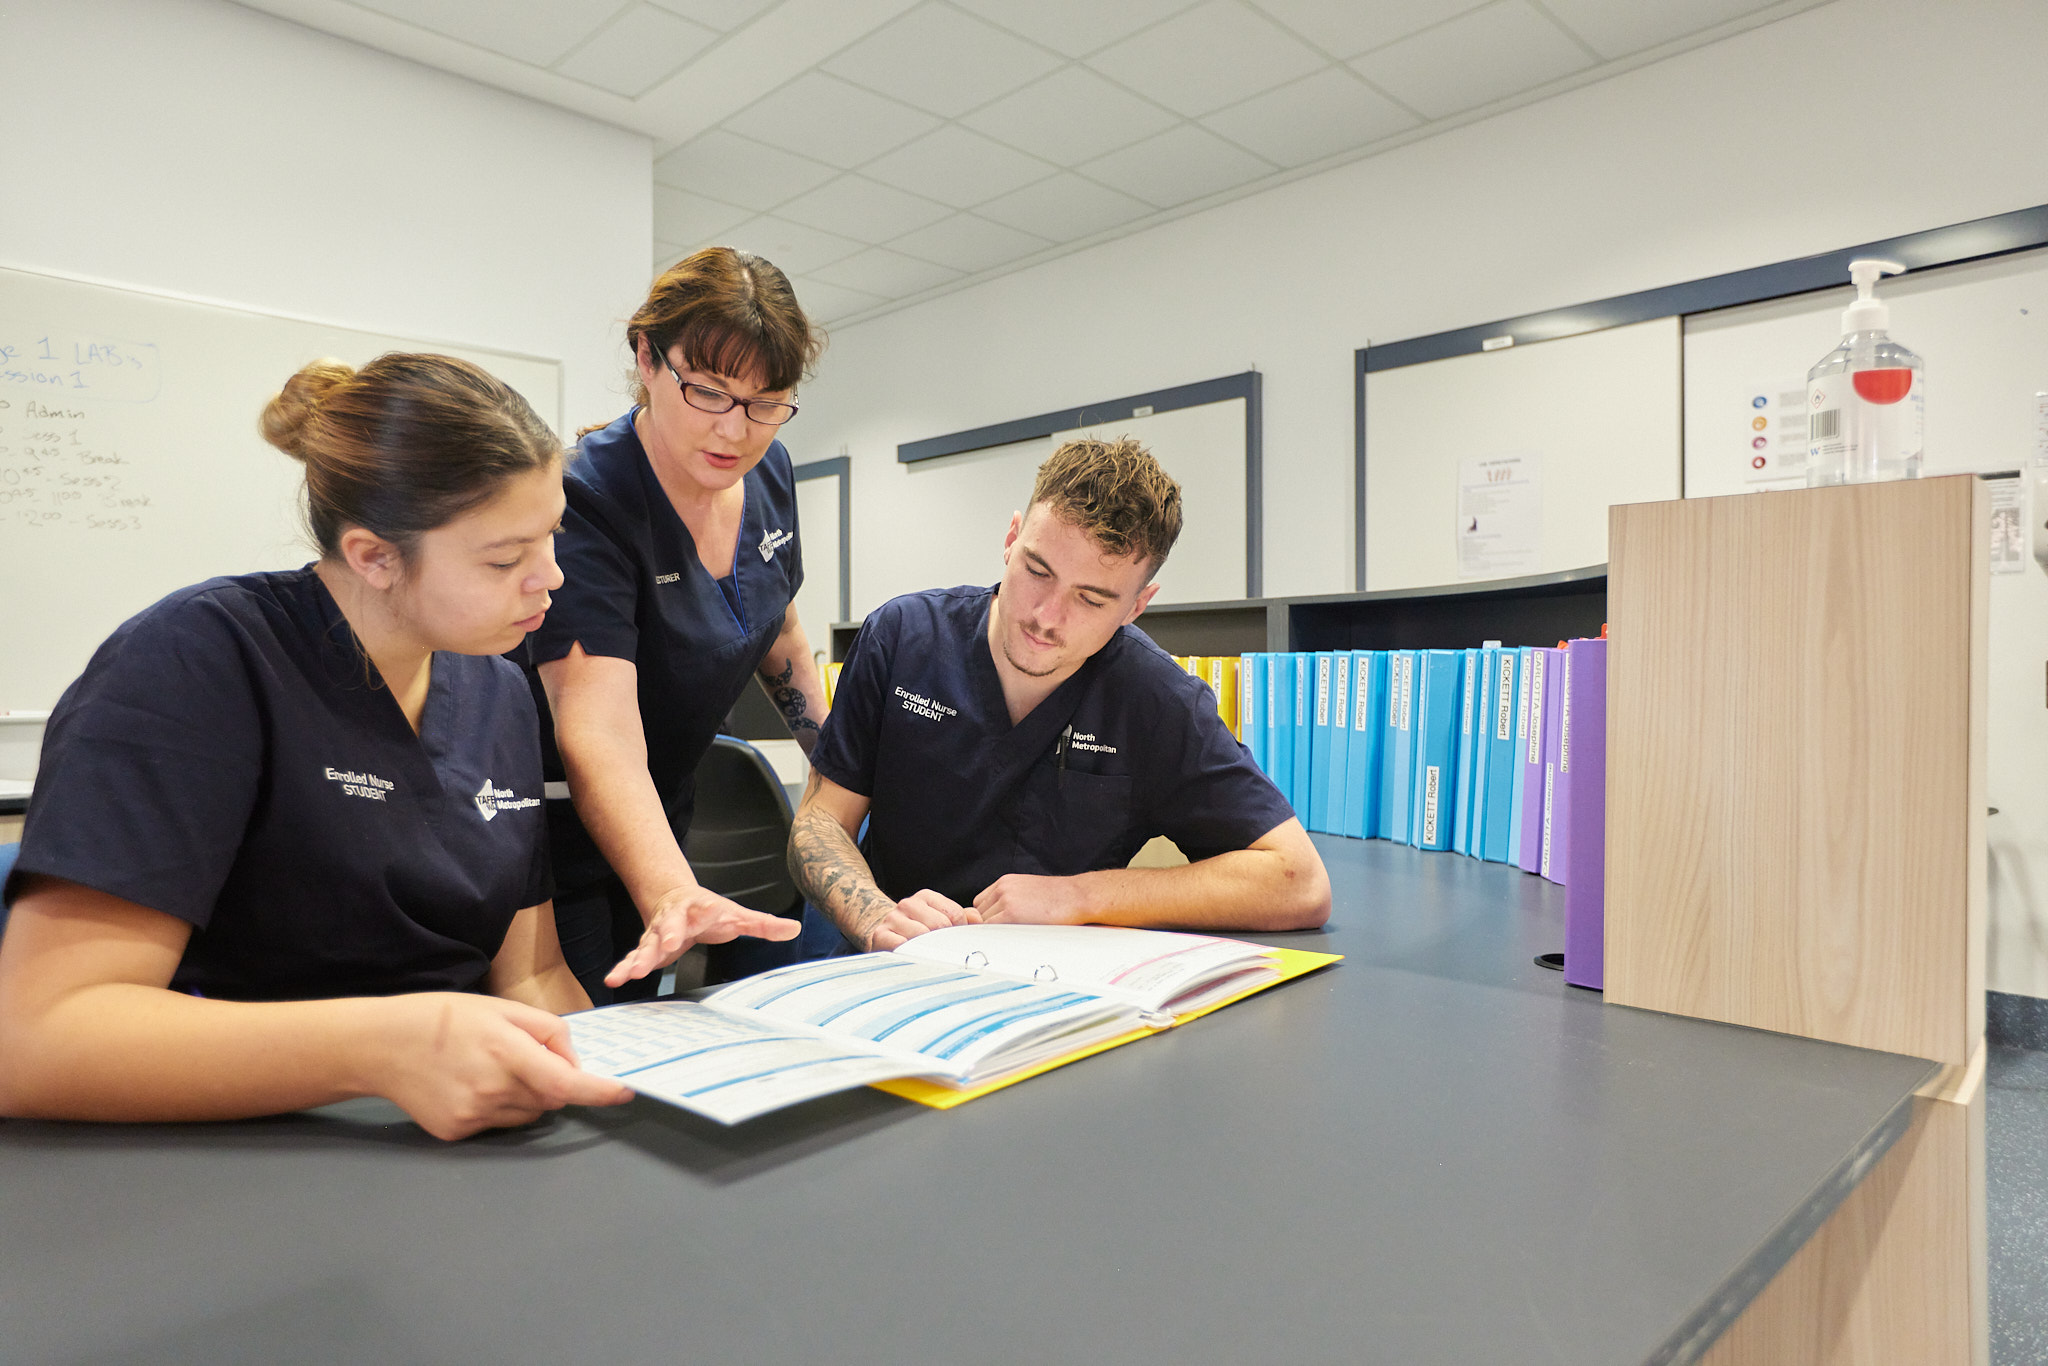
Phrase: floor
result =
(2016, 1193)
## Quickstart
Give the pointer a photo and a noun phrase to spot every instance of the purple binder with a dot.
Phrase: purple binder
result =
(1529, 762)
(1582, 763)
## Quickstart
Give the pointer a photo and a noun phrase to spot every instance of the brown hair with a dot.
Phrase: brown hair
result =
(1116, 492)
(733, 313)
(406, 444)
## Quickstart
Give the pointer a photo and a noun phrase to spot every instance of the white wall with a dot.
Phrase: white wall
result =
(197, 147)
(1735, 155)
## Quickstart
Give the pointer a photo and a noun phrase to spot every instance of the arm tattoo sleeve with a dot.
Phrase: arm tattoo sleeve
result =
(789, 699)
(828, 869)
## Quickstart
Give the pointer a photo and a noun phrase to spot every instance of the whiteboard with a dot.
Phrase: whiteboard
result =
(960, 506)
(1982, 328)
(130, 464)
(1599, 412)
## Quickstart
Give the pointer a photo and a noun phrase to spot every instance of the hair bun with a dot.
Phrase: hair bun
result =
(287, 415)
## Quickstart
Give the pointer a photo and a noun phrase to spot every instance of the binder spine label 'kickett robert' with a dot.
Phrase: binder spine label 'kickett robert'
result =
(1361, 713)
(1507, 698)
(1430, 779)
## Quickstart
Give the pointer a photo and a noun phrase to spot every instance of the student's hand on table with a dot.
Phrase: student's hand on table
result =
(459, 1064)
(915, 914)
(695, 916)
(1027, 899)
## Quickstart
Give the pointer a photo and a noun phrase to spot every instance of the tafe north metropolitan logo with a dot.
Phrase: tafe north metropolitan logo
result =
(491, 800)
(772, 541)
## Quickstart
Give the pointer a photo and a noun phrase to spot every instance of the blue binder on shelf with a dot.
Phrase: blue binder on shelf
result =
(1497, 714)
(1304, 733)
(1251, 708)
(1322, 666)
(1468, 739)
(1440, 682)
(1280, 724)
(1397, 786)
(1337, 770)
(1362, 760)
(1524, 667)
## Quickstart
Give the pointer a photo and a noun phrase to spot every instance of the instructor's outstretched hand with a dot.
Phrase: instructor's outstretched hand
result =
(694, 915)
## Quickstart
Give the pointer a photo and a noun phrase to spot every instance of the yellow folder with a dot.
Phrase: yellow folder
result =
(1293, 963)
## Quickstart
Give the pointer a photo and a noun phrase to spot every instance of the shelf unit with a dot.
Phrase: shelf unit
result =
(1539, 610)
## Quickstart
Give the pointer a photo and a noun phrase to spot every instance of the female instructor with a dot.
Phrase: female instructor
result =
(682, 563)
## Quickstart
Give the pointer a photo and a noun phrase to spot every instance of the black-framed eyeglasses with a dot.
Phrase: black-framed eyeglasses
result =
(768, 412)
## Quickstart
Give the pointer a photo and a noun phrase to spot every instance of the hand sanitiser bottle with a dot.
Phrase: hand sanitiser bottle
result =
(1866, 402)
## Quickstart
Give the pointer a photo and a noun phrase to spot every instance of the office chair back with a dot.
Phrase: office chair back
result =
(739, 836)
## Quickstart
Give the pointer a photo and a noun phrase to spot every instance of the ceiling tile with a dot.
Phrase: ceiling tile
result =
(1070, 116)
(540, 34)
(631, 55)
(825, 302)
(794, 247)
(1074, 27)
(823, 117)
(1063, 208)
(876, 271)
(1615, 28)
(1345, 28)
(1480, 57)
(667, 254)
(957, 167)
(682, 218)
(862, 208)
(723, 15)
(966, 242)
(1216, 54)
(1315, 117)
(942, 60)
(737, 170)
(1180, 164)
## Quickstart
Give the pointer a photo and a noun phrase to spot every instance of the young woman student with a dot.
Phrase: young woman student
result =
(683, 559)
(286, 845)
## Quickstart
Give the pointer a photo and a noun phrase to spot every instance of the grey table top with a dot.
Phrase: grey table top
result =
(1434, 1152)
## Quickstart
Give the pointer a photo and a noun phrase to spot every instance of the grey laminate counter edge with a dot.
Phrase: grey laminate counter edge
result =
(1715, 1316)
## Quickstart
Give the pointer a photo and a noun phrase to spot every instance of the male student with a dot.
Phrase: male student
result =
(1012, 747)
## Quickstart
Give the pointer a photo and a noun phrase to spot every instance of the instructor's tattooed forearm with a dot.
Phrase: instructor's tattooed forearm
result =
(789, 699)
(828, 869)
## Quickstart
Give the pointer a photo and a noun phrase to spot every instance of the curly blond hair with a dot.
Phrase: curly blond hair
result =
(1117, 493)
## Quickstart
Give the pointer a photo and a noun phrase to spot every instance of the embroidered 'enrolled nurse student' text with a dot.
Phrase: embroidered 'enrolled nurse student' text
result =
(919, 705)
(365, 785)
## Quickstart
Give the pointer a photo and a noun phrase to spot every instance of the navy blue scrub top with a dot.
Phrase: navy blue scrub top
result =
(226, 759)
(958, 796)
(634, 589)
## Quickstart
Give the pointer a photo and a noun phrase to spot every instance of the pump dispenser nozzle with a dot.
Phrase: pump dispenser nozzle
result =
(1868, 313)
